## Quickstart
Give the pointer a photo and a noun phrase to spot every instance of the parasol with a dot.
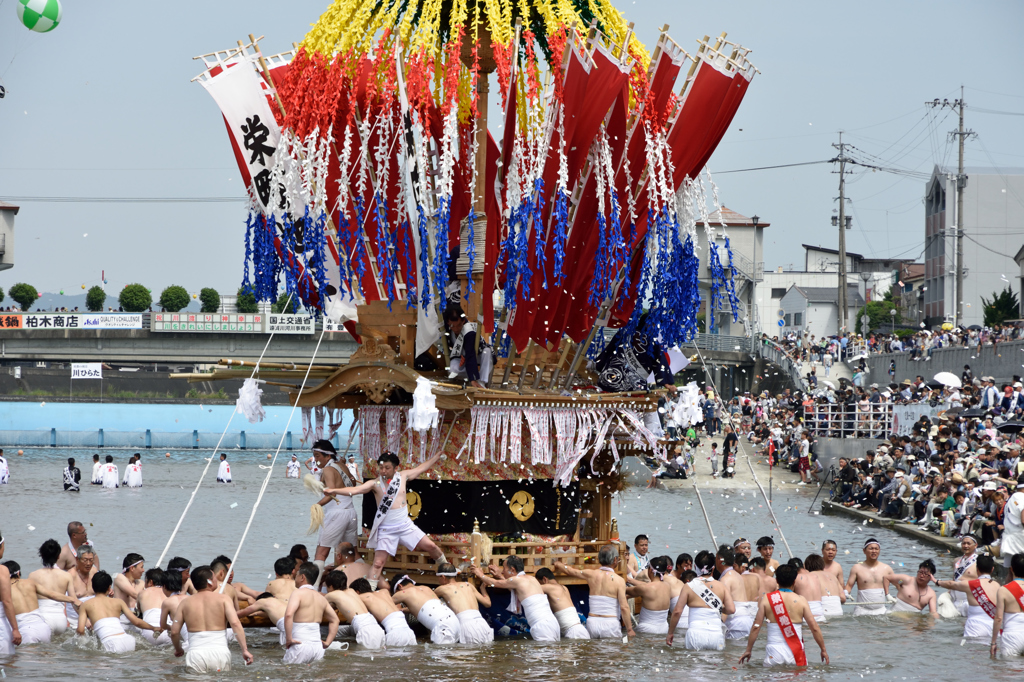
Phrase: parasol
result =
(948, 379)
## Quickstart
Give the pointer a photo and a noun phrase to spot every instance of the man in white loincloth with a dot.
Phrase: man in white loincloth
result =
(77, 536)
(10, 635)
(150, 599)
(391, 524)
(207, 614)
(81, 578)
(785, 611)
(915, 594)
(639, 557)
(982, 593)
(707, 600)
(872, 579)
(430, 611)
(5, 469)
(561, 605)
(1008, 624)
(109, 475)
(964, 569)
(808, 587)
(128, 583)
(832, 595)
(526, 595)
(766, 548)
(307, 608)
(55, 580)
(656, 596)
(829, 549)
(382, 607)
(293, 468)
(465, 600)
(224, 469)
(104, 613)
(609, 611)
(340, 521)
(737, 624)
(349, 604)
(25, 594)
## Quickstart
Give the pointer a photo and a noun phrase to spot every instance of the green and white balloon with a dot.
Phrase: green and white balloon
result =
(40, 15)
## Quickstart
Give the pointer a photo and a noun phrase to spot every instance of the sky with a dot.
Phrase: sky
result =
(103, 106)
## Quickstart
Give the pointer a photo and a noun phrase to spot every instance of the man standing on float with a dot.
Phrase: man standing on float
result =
(391, 523)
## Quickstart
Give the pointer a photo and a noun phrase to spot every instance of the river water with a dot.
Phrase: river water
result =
(33, 507)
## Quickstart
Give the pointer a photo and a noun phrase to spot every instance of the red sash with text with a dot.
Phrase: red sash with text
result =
(778, 606)
(982, 598)
(1017, 591)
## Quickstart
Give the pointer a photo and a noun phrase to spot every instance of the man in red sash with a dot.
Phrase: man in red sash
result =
(1008, 624)
(785, 610)
(982, 593)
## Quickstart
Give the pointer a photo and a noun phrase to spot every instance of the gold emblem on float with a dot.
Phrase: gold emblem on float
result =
(521, 505)
(415, 504)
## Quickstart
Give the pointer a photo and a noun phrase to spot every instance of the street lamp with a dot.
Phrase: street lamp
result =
(754, 219)
(892, 324)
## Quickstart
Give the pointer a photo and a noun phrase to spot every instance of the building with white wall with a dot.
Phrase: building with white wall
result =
(7, 213)
(816, 310)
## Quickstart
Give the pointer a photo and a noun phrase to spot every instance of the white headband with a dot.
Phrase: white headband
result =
(325, 452)
(128, 568)
(448, 574)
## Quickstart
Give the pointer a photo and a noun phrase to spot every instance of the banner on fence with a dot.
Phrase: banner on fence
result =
(86, 370)
(904, 416)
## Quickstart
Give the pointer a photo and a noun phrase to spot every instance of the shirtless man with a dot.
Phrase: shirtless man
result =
(768, 583)
(807, 586)
(785, 611)
(340, 521)
(829, 549)
(751, 583)
(684, 565)
(742, 546)
(638, 559)
(915, 594)
(348, 603)
(430, 611)
(348, 561)
(272, 607)
(150, 598)
(1008, 624)
(55, 580)
(656, 597)
(561, 605)
(105, 612)
(526, 594)
(766, 548)
(737, 624)
(283, 583)
(392, 524)
(707, 600)
(128, 583)
(81, 578)
(307, 608)
(872, 579)
(221, 571)
(465, 600)
(182, 567)
(982, 594)
(832, 595)
(175, 595)
(77, 537)
(609, 611)
(10, 635)
(965, 569)
(383, 609)
(24, 597)
(207, 614)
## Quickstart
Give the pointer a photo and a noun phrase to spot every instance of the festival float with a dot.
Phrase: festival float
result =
(381, 199)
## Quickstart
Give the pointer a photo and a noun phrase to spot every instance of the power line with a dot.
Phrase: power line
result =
(994, 111)
(784, 165)
(125, 200)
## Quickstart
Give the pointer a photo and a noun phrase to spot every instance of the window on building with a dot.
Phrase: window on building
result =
(787, 320)
(798, 319)
(778, 292)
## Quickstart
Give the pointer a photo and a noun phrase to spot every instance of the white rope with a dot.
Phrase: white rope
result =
(177, 526)
(270, 469)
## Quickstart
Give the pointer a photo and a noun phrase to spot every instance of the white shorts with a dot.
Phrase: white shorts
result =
(441, 621)
(340, 525)
(309, 648)
(208, 652)
(368, 631)
(54, 615)
(569, 621)
(398, 631)
(475, 629)
(599, 627)
(33, 628)
(397, 528)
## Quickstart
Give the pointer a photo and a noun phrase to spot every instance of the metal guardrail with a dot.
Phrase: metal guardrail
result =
(774, 353)
(719, 342)
(842, 420)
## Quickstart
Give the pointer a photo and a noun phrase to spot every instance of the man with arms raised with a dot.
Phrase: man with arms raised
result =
(982, 594)
(1008, 624)
(527, 593)
(430, 611)
(872, 580)
(207, 614)
(348, 602)
(81, 578)
(808, 587)
(656, 597)
(737, 624)
(24, 595)
(391, 523)
(915, 594)
(785, 612)
(77, 537)
(465, 600)
(340, 522)
(561, 605)
(105, 612)
(707, 599)
(383, 609)
(609, 612)
(832, 595)
(307, 608)
(54, 580)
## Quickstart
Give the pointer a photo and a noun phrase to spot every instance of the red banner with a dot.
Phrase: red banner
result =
(778, 605)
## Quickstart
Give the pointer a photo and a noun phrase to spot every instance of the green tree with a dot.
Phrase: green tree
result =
(24, 295)
(1003, 306)
(210, 300)
(1, 294)
(278, 305)
(878, 316)
(173, 298)
(135, 298)
(246, 302)
(95, 299)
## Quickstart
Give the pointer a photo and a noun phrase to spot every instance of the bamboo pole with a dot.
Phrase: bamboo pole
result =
(706, 519)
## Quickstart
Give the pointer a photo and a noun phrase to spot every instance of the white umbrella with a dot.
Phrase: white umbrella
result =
(828, 383)
(948, 379)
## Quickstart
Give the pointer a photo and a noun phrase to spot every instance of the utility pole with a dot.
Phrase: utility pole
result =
(844, 314)
(961, 184)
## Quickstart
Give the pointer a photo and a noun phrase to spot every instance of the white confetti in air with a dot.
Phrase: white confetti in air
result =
(31, 527)
(233, 505)
(277, 546)
(846, 551)
(821, 525)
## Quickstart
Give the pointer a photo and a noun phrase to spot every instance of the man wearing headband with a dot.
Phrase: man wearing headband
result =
(55, 580)
(609, 611)
(128, 583)
(766, 548)
(292, 469)
(526, 595)
(207, 614)
(77, 536)
(430, 611)
(656, 596)
(383, 609)
(340, 521)
(25, 594)
(465, 600)
(871, 578)
(707, 600)
(964, 569)
(742, 546)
